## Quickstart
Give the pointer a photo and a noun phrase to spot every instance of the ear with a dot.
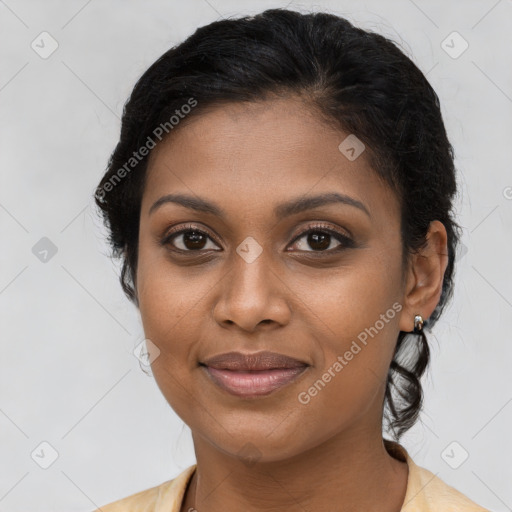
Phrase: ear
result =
(425, 276)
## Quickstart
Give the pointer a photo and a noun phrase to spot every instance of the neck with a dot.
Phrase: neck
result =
(346, 473)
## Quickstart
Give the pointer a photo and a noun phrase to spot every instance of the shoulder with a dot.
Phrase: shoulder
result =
(427, 492)
(165, 497)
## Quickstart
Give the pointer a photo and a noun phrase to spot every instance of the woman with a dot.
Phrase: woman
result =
(281, 196)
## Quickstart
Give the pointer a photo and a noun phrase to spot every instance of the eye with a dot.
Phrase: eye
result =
(188, 239)
(321, 238)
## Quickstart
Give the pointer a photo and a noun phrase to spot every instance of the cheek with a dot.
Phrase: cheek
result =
(345, 302)
(169, 296)
(350, 383)
(172, 309)
(357, 314)
(171, 318)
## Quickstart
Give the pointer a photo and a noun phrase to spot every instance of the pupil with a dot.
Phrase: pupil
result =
(194, 240)
(318, 241)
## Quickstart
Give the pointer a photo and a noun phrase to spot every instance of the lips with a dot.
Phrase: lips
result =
(252, 375)
(238, 361)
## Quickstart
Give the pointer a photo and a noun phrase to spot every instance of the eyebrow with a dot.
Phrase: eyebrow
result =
(283, 210)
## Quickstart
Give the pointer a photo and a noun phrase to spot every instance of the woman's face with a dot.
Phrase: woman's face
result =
(246, 277)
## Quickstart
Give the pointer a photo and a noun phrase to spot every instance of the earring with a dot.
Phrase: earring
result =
(418, 324)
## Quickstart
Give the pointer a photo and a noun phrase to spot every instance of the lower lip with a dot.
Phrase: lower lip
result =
(255, 383)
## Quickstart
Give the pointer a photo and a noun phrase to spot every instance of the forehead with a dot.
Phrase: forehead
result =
(261, 153)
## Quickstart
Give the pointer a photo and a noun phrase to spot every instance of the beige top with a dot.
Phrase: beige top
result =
(425, 492)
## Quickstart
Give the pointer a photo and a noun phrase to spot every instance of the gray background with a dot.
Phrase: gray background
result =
(68, 376)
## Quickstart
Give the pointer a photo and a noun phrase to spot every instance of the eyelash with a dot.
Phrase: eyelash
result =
(345, 241)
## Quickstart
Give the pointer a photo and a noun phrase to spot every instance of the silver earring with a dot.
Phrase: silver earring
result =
(418, 324)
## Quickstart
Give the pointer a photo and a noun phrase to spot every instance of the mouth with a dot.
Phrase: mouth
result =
(253, 375)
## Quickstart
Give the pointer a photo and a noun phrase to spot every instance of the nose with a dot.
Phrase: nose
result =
(252, 296)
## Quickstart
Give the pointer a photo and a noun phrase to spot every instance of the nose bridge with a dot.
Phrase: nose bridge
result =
(252, 269)
(252, 292)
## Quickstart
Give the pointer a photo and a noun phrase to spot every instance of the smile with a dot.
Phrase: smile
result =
(253, 383)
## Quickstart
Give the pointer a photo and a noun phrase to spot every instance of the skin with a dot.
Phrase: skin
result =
(248, 158)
